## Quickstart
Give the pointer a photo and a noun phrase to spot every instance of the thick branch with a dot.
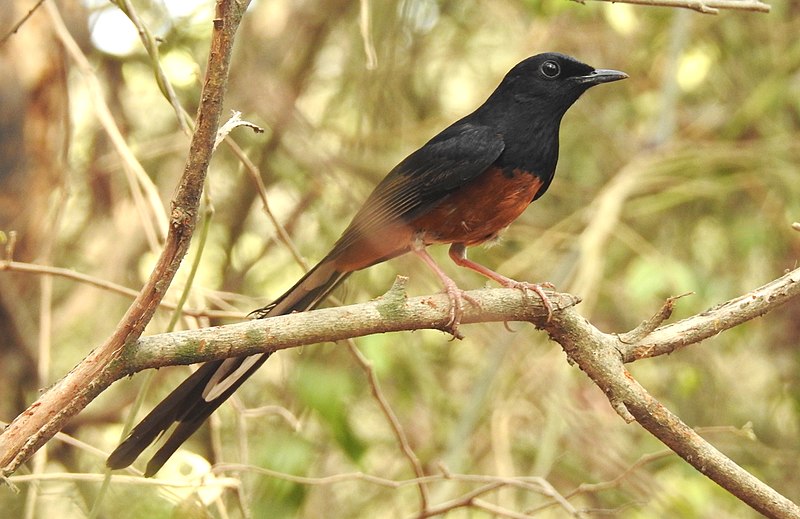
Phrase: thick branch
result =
(47, 415)
(602, 356)
(389, 313)
(598, 354)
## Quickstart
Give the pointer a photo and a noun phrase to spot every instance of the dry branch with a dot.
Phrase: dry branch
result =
(601, 356)
(671, 337)
(45, 417)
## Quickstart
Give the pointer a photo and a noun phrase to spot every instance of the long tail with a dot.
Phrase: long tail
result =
(207, 388)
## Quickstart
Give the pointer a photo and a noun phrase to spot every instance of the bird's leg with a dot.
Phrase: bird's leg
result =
(458, 253)
(455, 294)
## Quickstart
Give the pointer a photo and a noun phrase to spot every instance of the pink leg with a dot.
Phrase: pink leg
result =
(455, 294)
(458, 253)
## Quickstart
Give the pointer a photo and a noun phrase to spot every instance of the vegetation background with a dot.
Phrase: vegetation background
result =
(683, 178)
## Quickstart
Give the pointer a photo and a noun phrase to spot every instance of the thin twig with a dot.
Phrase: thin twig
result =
(729, 314)
(587, 488)
(144, 192)
(647, 327)
(701, 6)
(255, 175)
(129, 480)
(364, 23)
(151, 46)
(387, 411)
(32, 268)
(21, 22)
(527, 483)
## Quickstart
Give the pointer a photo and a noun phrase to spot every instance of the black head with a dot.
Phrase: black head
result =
(527, 107)
(555, 79)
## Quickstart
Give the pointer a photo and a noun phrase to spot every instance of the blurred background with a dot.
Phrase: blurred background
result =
(683, 178)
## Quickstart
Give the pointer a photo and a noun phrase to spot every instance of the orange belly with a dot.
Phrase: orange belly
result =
(472, 214)
(478, 211)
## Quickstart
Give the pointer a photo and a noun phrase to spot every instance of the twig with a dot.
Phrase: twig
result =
(151, 46)
(587, 488)
(394, 423)
(21, 22)
(488, 484)
(255, 175)
(647, 327)
(144, 192)
(701, 6)
(499, 511)
(364, 23)
(31, 268)
(129, 480)
(461, 501)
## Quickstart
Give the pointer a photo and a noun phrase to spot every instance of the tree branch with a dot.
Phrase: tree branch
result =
(671, 337)
(392, 312)
(46, 270)
(602, 356)
(45, 417)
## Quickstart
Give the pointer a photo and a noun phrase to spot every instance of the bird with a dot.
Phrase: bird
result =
(462, 187)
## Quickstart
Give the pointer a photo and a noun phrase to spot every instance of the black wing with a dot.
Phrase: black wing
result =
(415, 186)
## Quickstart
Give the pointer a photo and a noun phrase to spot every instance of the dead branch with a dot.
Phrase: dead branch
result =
(45, 417)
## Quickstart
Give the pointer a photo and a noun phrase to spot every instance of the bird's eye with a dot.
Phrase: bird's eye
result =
(550, 69)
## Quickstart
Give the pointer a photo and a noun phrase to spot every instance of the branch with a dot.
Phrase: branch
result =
(45, 270)
(45, 417)
(669, 338)
(701, 6)
(602, 356)
(392, 312)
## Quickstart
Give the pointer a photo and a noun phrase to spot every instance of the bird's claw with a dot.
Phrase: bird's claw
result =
(537, 289)
(457, 297)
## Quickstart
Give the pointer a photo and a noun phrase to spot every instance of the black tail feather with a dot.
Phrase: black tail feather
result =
(168, 411)
(188, 405)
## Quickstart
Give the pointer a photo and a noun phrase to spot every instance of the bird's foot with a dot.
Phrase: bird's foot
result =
(537, 288)
(457, 298)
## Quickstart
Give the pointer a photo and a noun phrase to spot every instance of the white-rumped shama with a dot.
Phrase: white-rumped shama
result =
(462, 187)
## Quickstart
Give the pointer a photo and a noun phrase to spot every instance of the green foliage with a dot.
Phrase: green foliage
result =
(328, 392)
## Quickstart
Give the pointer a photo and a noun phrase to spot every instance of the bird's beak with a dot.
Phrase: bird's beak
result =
(602, 76)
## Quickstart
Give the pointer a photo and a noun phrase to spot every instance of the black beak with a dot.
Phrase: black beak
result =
(601, 76)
